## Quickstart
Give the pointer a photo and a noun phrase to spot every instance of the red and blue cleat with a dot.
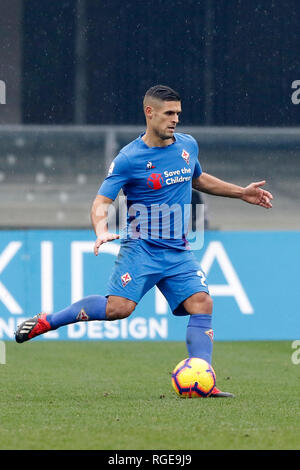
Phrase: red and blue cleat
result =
(32, 327)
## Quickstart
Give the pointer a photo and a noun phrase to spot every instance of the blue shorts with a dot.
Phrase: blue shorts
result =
(141, 265)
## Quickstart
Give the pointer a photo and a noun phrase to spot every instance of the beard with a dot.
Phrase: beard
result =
(162, 135)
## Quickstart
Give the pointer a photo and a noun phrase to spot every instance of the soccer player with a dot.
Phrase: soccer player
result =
(156, 171)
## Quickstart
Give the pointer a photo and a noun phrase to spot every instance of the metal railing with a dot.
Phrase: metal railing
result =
(49, 175)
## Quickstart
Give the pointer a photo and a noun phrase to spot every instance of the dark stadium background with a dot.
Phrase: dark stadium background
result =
(232, 61)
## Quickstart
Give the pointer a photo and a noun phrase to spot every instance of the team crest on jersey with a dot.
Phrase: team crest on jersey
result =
(210, 333)
(125, 278)
(186, 156)
(82, 316)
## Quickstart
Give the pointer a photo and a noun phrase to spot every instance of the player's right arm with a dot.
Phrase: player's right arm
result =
(118, 175)
(99, 214)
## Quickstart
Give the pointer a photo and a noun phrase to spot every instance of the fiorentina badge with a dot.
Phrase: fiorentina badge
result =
(210, 333)
(186, 156)
(82, 316)
(125, 278)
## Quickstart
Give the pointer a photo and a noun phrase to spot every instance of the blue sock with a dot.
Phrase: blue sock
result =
(199, 336)
(88, 308)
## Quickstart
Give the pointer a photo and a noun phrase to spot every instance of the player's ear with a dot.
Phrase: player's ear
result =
(148, 111)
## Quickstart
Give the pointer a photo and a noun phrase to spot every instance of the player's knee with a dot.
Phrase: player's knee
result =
(118, 308)
(201, 302)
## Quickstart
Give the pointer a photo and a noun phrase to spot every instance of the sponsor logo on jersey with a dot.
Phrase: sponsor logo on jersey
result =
(150, 166)
(177, 176)
(155, 181)
(82, 316)
(186, 156)
(125, 278)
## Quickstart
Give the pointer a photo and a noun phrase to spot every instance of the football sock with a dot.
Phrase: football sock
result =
(199, 336)
(89, 308)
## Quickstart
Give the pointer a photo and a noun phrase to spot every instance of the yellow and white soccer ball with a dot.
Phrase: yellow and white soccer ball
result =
(193, 377)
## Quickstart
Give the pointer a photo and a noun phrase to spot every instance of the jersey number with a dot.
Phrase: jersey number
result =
(202, 278)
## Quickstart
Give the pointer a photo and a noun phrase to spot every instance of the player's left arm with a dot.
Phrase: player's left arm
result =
(253, 193)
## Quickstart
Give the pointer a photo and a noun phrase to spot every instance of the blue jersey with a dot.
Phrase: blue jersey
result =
(158, 184)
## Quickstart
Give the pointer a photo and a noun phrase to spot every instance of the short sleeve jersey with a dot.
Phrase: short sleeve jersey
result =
(157, 182)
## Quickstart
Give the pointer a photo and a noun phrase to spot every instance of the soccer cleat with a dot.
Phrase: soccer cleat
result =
(32, 327)
(216, 393)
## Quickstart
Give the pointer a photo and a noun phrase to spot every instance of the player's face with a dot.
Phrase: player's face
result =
(164, 118)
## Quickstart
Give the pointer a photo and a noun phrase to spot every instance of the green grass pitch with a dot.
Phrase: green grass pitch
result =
(118, 395)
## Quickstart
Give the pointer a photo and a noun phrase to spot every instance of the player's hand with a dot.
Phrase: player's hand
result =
(104, 238)
(254, 194)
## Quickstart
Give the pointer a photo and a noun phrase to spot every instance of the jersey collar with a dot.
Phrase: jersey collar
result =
(146, 146)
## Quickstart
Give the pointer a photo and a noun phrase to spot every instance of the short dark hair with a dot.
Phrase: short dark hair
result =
(163, 93)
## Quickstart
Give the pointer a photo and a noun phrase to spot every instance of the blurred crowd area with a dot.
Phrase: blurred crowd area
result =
(49, 175)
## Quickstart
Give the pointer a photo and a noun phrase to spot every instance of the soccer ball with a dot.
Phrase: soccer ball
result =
(193, 377)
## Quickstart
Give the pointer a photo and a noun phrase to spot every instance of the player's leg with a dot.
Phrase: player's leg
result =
(199, 335)
(91, 308)
(129, 281)
(187, 294)
(94, 307)
(119, 307)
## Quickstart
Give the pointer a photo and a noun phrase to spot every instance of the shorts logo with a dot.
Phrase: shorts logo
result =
(125, 278)
(210, 333)
(155, 181)
(186, 156)
(82, 316)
